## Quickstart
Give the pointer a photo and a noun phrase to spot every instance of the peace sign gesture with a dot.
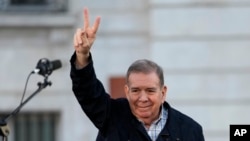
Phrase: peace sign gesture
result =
(84, 38)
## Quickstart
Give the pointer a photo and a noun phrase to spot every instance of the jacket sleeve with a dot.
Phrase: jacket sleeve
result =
(90, 93)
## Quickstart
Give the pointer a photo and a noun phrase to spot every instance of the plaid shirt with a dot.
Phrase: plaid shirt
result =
(156, 127)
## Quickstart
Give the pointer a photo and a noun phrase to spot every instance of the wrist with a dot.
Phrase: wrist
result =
(82, 60)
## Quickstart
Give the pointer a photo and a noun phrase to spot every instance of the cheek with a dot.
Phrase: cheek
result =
(158, 100)
(132, 98)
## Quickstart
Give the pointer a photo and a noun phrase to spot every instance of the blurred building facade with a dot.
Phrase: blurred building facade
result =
(203, 47)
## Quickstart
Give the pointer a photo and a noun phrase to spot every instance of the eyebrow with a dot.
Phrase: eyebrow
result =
(151, 88)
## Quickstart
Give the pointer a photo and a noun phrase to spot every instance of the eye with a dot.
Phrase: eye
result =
(134, 90)
(151, 90)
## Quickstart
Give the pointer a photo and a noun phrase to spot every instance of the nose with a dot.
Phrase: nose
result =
(143, 96)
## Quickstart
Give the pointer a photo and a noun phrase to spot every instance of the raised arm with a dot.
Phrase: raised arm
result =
(88, 90)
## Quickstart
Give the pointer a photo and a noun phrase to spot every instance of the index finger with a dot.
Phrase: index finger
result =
(85, 18)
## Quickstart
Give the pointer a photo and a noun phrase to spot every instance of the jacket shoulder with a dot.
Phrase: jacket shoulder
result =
(181, 118)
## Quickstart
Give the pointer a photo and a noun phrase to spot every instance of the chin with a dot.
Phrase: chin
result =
(144, 115)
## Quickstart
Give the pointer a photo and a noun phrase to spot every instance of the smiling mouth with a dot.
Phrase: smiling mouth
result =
(144, 107)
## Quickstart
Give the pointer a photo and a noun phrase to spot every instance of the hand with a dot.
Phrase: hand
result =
(84, 38)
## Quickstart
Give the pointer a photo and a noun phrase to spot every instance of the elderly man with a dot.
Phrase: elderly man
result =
(143, 115)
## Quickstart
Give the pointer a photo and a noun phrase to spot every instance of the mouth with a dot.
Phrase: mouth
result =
(143, 108)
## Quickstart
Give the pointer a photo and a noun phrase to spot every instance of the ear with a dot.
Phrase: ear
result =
(126, 90)
(164, 93)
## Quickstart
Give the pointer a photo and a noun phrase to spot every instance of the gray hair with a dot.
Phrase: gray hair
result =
(146, 66)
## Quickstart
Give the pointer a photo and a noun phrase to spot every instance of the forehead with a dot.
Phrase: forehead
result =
(137, 79)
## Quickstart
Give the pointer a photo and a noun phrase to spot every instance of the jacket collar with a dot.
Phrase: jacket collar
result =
(171, 130)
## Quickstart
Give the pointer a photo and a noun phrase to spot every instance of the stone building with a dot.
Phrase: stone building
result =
(203, 47)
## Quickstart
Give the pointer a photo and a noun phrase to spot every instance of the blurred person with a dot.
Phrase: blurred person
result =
(143, 115)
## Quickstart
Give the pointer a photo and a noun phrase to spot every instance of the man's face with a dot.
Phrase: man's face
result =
(145, 95)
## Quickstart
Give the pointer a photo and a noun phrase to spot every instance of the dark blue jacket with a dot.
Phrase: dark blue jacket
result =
(113, 117)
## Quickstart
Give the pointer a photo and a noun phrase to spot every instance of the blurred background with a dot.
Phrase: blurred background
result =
(202, 45)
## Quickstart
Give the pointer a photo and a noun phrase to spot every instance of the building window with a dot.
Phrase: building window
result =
(27, 2)
(34, 127)
(33, 5)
